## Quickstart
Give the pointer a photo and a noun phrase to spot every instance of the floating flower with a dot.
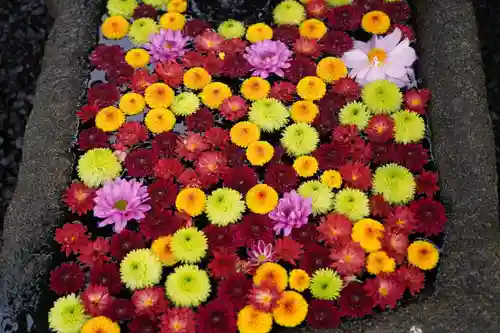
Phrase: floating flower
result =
(385, 290)
(124, 242)
(291, 309)
(264, 297)
(177, 6)
(214, 94)
(107, 275)
(145, 10)
(423, 255)
(189, 245)
(172, 21)
(269, 114)
(132, 103)
(234, 65)
(315, 256)
(231, 29)
(345, 18)
(376, 22)
(354, 113)
(288, 249)
(196, 78)
(224, 263)
(331, 178)
(159, 95)
(67, 315)
(158, 4)
(291, 212)
(141, 324)
(66, 278)
(115, 27)
(395, 183)
(255, 88)
(308, 47)
(259, 152)
(323, 314)
(304, 111)
(289, 12)
(260, 253)
(354, 302)
(380, 128)
(200, 121)
(139, 162)
(170, 72)
(331, 69)
(251, 320)
(311, 88)
(258, 32)
(234, 290)
(282, 91)
(430, 216)
(209, 40)
(261, 199)
(326, 284)
(233, 108)
(191, 201)
(416, 100)
(94, 252)
(239, 178)
(109, 119)
(97, 300)
(216, 317)
(178, 320)
(71, 237)
(408, 127)
(185, 104)
(188, 286)
(142, 30)
(166, 45)
(300, 66)
(224, 206)
(162, 247)
(335, 229)
(299, 139)
(123, 8)
(141, 79)
(281, 177)
(338, 3)
(305, 166)
(368, 233)
(348, 258)
(312, 28)
(320, 194)
(299, 280)
(268, 57)
(427, 183)
(100, 324)
(140, 269)
(382, 97)
(137, 58)
(160, 120)
(272, 274)
(356, 175)
(255, 228)
(316, 8)
(412, 277)
(79, 198)
(97, 166)
(378, 262)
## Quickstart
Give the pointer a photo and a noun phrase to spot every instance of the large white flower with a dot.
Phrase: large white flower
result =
(388, 58)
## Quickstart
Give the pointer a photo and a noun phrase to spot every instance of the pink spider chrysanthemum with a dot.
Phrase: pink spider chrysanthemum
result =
(260, 253)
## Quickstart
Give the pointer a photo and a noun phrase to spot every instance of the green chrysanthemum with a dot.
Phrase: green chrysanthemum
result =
(338, 3)
(352, 203)
(395, 182)
(355, 113)
(142, 29)
(382, 97)
(224, 206)
(289, 12)
(189, 245)
(185, 104)
(123, 8)
(231, 29)
(67, 315)
(140, 269)
(97, 166)
(326, 284)
(158, 4)
(408, 127)
(188, 286)
(320, 194)
(299, 139)
(269, 114)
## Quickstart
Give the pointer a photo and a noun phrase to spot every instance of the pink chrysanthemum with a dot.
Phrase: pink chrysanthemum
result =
(67, 278)
(96, 300)
(233, 108)
(260, 253)
(268, 57)
(291, 212)
(178, 320)
(212, 163)
(395, 244)
(208, 41)
(167, 45)
(348, 259)
(335, 229)
(149, 301)
(427, 183)
(385, 290)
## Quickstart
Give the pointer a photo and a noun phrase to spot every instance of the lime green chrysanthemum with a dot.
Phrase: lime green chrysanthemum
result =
(269, 114)
(142, 29)
(355, 113)
(299, 139)
(159, 4)
(231, 29)
(353, 203)
(185, 104)
(189, 245)
(289, 12)
(395, 183)
(97, 166)
(123, 8)
(320, 194)
(382, 96)
(188, 286)
(326, 284)
(224, 206)
(67, 315)
(408, 127)
(140, 269)
(338, 3)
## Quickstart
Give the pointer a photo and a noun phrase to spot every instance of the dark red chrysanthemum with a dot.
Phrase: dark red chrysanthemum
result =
(71, 237)
(395, 244)
(380, 128)
(191, 145)
(401, 219)
(282, 91)
(416, 100)
(317, 9)
(315, 257)
(354, 302)
(240, 178)
(407, 31)
(120, 74)
(378, 206)
(347, 88)
(106, 274)
(132, 133)
(234, 290)
(427, 183)
(264, 297)
(121, 309)
(223, 264)
(361, 151)
(383, 153)
(430, 215)
(345, 17)
(217, 137)
(104, 57)
(286, 33)
(171, 72)
(103, 94)
(234, 154)
(398, 11)
(255, 227)
(192, 59)
(334, 229)
(308, 47)
(233, 108)
(348, 258)
(300, 67)
(87, 112)
(356, 175)
(164, 144)
(345, 135)
(385, 290)
(195, 27)
(159, 223)
(95, 252)
(124, 242)
(168, 168)
(200, 121)
(233, 45)
(96, 300)
(216, 317)
(336, 43)
(281, 177)
(178, 320)
(141, 79)
(213, 63)
(191, 178)
(279, 152)
(289, 250)
(306, 234)
(149, 301)
(143, 324)
(323, 314)
(223, 237)
(413, 156)
(67, 278)
(140, 162)
(79, 198)
(163, 193)
(144, 10)
(412, 278)
(235, 66)
(330, 156)
(91, 138)
(211, 163)
(326, 120)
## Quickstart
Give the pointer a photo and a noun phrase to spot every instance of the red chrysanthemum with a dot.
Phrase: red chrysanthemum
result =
(104, 57)
(348, 259)
(79, 198)
(345, 135)
(407, 31)
(195, 27)
(96, 300)
(178, 320)
(286, 33)
(412, 278)
(354, 302)
(103, 94)
(162, 194)
(379, 207)
(335, 229)
(224, 263)
(385, 290)
(106, 274)
(281, 177)
(132, 133)
(330, 156)
(141, 79)
(121, 309)
(208, 40)
(347, 88)
(159, 223)
(200, 121)
(308, 47)
(191, 145)
(171, 72)
(217, 138)
(91, 138)
(164, 144)
(323, 314)
(383, 153)
(305, 235)
(398, 11)
(234, 290)
(413, 156)
(223, 237)
(144, 10)
(235, 66)
(124, 242)
(279, 152)
(120, 74)
(325, 120)
(71, 237)
(95, 252)
(233, 108)
(315, 257)
(255, 227)
(361, 151)
(427, 183)
(264, 297)
(336, 43)
(233, 45)
(211, 163)
(282, 91)
(87, 112)
(401, 219)
(289, 250)
(345, 17)
(430, 215)
(143, 324)
(317, 9)
(213, 63)
(192, 59)
(240, 178)
(380, 128)
(67, 278)
(234, 154)
(140, 162)
(191, 178)
(149, 301)
(168, 168)
(395, 244)
(216, 317)
(300, 67)
(356, 175)
(416, 100)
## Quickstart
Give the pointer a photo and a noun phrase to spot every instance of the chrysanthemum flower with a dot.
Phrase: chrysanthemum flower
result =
(132, 103)
(348, 258)
(408, 127)
(352, 203)
(87, 112)
(258, 32)
(282, 91)
(185, 104)
(177, 6)
(141, 79)
(413, 156)
(423, 255)
(291, 309)
(139, 162)
(131, 133)
(231, 29)
(395, 244)
(143, 323)
(261, 199)
(140, 269)
(299, 280)
(320, 194)
(79, 198)
(430, 215)
(323, 314)
(427, 183)
(95, 252)
(251, 320)
(355, 113)
(214, 94)
(189, 245)
(338, 3)
(336, 43)
(191, 146)
(102, 94)
(216, 316)
(382, 97)
(107, 275)
(380, 128)
(233, 108)
(200, 121)
(137, 58)
(256, 228)
(97, 300)
(356, 175)
(331, 178)
(259, 152)
(170, 72)
(264, 297)
(271, 273)
(299, 139)
(289, 250)
(416, 100)
(376, 22)
(124, 242)
(300, 66)
(234, 290)
(109, 119)
(379, 261)
(269, 114)
(335, 229)
(255, 88)
(244, 133)
(412, 277)
(97, 166)
(196, 78)
(395, 183)
(142, 29)
(289, 12)
(66, 278)
(401, 219)
(144, 10)
(308, 47)
(191, 201)
(115, 27)
(149, 301)
(385, 289)
(100, 324)
(178, 320)
(315, 256)
(304, 111)
(281, 177)
(67, 315)
(162, 247)
(354, 302)
(172, 21)
(159, 4)
(311, 88)
(239, 178)
(305, 166)
(224, 263)
(121, 8)
(188, 286)
(326, 284)
(368, 233)
(224, 206)
(159, 95)
(331, 69)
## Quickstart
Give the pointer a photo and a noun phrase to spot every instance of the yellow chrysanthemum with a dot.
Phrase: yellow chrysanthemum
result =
(109, 119)
(304, 111)
(159, 120)
(115, 27)
(159, 95)
(259, 32)
(261, 199)
(214, 94)
(100, 324)
(299, 280)
(191, 201)
(132, 103)
(291, 309)
(251, 320)
(376, 22)
(244, 133)
(255, 88)
(271, 273)
(259, 152)
(423, 254)
(311, 88)
(378, 262)
(177, 6)
(163, 249)
(368, 233)
(97, 166)
(197, 78)
(305, 166)
(141, 30)
(312, 28)
(331, 178)
(172, 21)
(137, 58)
(330, 69)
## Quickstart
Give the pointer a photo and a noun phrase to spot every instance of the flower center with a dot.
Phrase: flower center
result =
(377, 56)
(121, 205)
(148, 302)
(383, 291)
(167, 45)
(261, 258)
(177, 326)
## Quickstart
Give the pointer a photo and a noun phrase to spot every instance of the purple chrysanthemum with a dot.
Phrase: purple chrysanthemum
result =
(120, 201)
(167, 45)
(268, 57)
(292, 212)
